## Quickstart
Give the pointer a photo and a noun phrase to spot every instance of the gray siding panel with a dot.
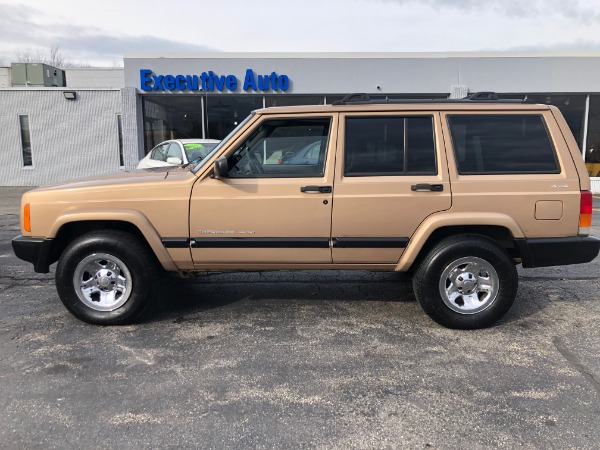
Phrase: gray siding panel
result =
(69, 139)
(133, 139)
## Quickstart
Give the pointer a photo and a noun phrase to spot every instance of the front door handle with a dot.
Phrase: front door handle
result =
(316, 189)
(427, 187)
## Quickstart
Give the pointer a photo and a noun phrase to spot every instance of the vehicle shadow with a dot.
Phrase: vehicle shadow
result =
(184, 299)
(178, 298)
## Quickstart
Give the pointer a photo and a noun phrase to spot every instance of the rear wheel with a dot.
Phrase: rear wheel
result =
(466, 282)
(106, 277)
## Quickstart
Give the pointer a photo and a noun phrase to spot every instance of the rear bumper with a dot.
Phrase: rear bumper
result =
(544, 252)
(37, 251)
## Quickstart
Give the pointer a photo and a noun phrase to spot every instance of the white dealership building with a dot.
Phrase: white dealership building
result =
(105, 120)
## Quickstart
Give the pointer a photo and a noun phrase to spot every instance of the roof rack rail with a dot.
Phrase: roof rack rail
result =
(480, 97)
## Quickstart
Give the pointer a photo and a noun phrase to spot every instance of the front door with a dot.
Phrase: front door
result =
(275, 205)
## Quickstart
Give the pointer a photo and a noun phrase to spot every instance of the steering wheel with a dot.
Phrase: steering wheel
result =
(255, 164)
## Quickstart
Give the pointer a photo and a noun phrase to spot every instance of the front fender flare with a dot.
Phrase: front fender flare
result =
(133, 217)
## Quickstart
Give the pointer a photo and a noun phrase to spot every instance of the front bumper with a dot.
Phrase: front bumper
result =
(37, 251)
(544, 252)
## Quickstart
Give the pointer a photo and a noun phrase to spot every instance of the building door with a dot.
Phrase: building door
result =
(275, 204)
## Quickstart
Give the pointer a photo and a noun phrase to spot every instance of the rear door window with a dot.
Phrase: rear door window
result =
(392, 146)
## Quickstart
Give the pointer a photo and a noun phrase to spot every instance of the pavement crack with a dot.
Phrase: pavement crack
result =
(572, 359)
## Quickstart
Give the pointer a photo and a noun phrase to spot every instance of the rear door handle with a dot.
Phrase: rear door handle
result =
(427, 187)
(316, 189)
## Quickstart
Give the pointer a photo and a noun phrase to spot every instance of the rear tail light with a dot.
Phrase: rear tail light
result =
(585, 213)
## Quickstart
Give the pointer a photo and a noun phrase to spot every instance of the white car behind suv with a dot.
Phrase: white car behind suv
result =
(177, 151)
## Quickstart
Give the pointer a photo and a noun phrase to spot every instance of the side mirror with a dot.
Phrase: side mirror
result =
(221, 168)
(174, 160)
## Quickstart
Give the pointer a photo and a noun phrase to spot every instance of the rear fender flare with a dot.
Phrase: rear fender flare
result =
(450, 219)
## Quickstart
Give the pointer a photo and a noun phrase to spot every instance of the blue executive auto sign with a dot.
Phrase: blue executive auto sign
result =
(209, 81)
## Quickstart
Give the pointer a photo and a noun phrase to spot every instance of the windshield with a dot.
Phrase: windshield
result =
(196, 150)
(203, 161)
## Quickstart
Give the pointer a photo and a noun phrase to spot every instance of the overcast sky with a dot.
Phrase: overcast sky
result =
(100, 32)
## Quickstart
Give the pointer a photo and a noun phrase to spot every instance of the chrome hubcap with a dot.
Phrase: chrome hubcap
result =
(102, 282)
(469, 285)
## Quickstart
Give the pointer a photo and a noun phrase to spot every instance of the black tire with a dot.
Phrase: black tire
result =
(121, 273)
(479, 282)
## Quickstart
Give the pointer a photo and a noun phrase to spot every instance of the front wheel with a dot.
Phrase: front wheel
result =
(106, 277)
(466, 282)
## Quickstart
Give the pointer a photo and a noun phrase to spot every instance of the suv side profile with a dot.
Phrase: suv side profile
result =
(454, 192)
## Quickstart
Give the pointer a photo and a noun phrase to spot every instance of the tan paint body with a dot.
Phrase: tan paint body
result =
(180, 203)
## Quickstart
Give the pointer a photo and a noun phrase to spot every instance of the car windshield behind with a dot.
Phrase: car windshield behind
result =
(197, 150)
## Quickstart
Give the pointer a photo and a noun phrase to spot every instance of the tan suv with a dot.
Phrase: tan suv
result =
(455, 192)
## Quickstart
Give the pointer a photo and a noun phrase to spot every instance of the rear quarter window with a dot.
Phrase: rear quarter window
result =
(502, 144)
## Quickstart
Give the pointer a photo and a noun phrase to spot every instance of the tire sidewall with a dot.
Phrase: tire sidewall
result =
(444, 254)
(87, 245)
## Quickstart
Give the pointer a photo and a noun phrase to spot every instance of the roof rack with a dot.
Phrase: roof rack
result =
(479, 97)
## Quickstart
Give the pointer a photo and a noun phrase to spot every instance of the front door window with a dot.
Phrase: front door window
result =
(282, 149)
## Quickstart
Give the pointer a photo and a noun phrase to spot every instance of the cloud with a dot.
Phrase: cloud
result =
(575, 10)
(19, 23)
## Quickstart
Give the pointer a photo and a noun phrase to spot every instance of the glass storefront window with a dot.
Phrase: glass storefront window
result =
(378, 96)
(171, 117)
(592, 150)
(572, 108)
(214, 116)
(293, 100)
(225, 112)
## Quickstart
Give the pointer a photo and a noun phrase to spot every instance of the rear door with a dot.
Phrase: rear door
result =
(391, 175)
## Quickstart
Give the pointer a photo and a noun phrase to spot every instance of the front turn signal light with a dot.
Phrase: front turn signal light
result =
(27, 217)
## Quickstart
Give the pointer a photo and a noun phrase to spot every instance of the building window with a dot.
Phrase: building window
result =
(572, 108)
(293, 100)
(25, 140)
(389, 146)
(592, 150)
(120, 135)
(224, 112)
(507, 144)
(171, 117)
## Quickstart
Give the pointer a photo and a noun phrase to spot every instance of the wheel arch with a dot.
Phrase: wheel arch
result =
(70, 226)
(499, 227)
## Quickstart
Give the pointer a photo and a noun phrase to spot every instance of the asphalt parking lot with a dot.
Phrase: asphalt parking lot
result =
(298, 359)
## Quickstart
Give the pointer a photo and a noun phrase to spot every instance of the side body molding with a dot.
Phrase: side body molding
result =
(449, 219)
